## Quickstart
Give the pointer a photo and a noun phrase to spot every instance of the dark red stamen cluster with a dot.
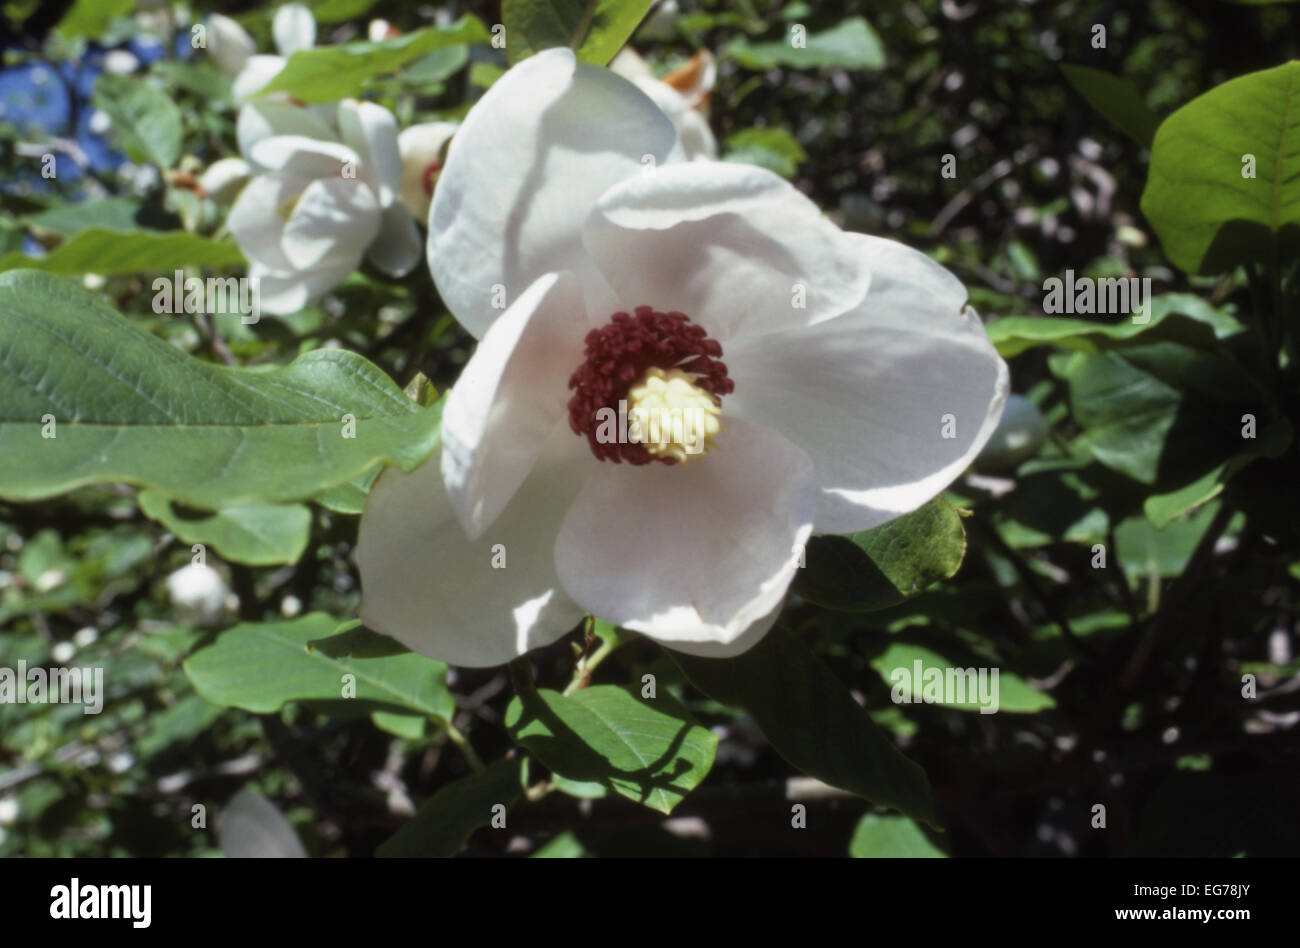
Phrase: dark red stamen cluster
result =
(617, 357)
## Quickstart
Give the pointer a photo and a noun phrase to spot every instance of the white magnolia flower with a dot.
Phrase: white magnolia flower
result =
(834, 363)
(422, 148)
(234, 52)
(323, 199)
(682, 95)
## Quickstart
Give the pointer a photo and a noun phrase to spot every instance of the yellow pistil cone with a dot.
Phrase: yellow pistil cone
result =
(671, 415)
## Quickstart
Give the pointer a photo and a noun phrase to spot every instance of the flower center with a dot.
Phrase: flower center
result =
(650, 389)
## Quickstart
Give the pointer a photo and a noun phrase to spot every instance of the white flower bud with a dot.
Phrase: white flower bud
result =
(1018, 437)
(198, 594)
(229, 44)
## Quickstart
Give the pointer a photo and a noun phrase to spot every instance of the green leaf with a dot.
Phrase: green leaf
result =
(145, 119)
(1158, 411)
(891, 837)
(330, 73)
(594, 29)
(878, 568)
(112, 252)
(183, 721)
(852, 44)
(259, 666)
(811, 720)
(1013, 335)
(444, 822)
(90, 18)
(409, 726)
(1208, 216)
(1012, 693)
(129, 407)
(1116, 99)
(564, 846)
(1147, 551)
(647, 749)
(255, 533)
(1271, 443)
(116, 213)
(772, 148)
(349, 497)
(337, 11)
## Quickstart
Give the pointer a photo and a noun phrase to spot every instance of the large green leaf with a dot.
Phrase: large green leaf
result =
(129, 407)
(330, 73)
(877, 568)
(259, 666)
(594, 29)
(1116, 99)
(1146, 551)
(115, 213)
(1012, 335)
(445, 821)
(647, 749)
(851, 44)
(1158, 411)
(111, 252)
(145, 119)
(255, 533)
(879, 836)
(1208, 216)
(810, 718)
(1013, 693)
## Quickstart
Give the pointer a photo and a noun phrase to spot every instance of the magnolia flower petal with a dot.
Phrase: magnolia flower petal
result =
(472, 603)
(523, 172)
(256, 221)
(281, 292)
(293, 28)
(261, 120)
(305, 157)
(257, 72)
(695, 78)
(421, 148)
(511, 398)
(332, 224)
(371, 131)
(223, 179)
(738, 646)
(698, 552)
(734, 247)
(396, 250)
(868, 394)
(697, 136)
(229, 45)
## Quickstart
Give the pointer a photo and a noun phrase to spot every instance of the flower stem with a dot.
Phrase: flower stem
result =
(467, 749)
(582, 671)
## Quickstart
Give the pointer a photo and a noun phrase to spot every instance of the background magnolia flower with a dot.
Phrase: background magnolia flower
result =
(834, 358)
(423, 149)
(234, 52)
(682, 94)
(323, 199)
